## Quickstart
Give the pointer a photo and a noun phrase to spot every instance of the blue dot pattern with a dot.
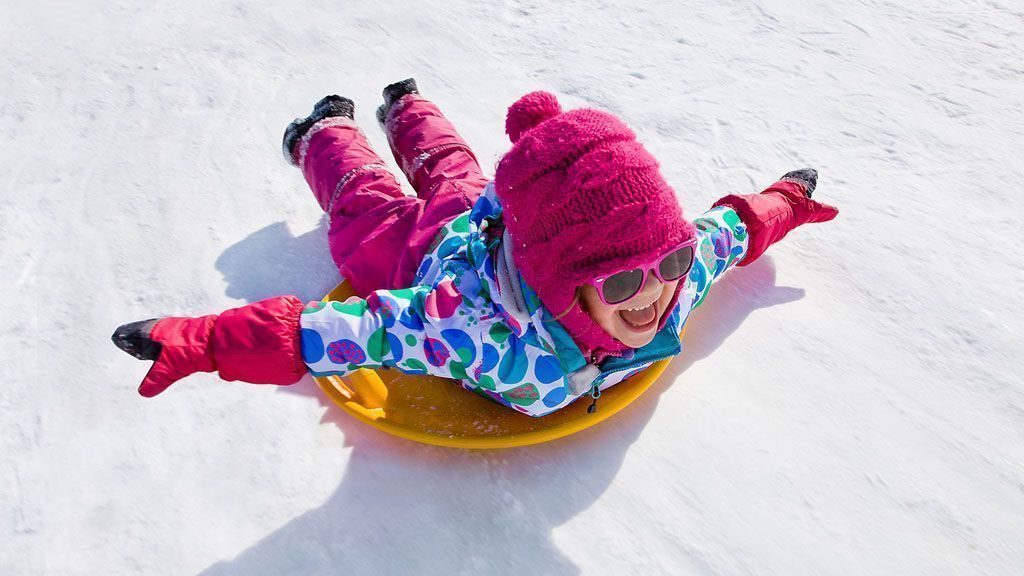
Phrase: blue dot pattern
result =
(547, 369)
(312, 346)
(452, 322)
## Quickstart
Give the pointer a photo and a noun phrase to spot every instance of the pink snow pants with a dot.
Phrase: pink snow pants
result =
(378, 235)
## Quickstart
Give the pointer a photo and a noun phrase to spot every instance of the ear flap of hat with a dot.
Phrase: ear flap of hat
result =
(529, 111)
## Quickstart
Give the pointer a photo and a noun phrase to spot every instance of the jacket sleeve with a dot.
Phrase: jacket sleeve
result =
(418, 330)
(256, 343)
(721, 243)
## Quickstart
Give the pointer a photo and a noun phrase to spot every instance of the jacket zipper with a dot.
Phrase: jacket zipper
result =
(595, 393)
(595, 388)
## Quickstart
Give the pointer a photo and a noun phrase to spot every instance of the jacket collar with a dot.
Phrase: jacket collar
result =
(521, 308)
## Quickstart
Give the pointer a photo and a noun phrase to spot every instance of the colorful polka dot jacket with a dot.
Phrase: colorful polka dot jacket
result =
(470, 317)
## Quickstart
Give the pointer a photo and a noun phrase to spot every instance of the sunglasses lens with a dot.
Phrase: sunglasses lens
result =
(676, 264)
(622, 286)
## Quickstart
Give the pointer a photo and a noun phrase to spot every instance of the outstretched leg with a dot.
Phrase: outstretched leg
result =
(371, 220)
(437, 161)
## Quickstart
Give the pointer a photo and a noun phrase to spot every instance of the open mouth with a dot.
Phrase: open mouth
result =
(640, 319)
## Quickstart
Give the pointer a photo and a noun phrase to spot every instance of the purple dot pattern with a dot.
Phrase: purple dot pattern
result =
(453, 323)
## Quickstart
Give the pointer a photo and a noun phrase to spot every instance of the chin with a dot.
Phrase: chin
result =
(640, 341)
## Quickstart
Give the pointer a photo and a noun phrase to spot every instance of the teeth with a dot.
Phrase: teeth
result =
(640, 308)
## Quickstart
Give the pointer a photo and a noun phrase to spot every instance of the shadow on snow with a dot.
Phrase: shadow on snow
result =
(403, 507)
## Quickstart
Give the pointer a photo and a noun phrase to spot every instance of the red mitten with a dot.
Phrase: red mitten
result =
(770, 215)
(258, 343)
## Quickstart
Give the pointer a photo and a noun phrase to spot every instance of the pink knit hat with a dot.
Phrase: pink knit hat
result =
(581, 198)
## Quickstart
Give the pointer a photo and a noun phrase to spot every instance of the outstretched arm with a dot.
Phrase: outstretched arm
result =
(740, 227)
(256, 343)
(721, 243)
(781, 207)
(418, 330)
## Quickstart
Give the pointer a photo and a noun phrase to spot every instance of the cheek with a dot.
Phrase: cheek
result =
(603, 313)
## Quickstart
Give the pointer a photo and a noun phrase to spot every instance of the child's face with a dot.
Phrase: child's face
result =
(635, 321)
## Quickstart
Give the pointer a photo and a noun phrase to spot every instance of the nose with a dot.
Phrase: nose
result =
(651, 282)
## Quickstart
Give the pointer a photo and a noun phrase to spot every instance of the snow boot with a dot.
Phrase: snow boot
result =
(327, 107)
(391, 93)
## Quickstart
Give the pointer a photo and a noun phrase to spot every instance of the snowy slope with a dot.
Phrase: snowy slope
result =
(851, 404)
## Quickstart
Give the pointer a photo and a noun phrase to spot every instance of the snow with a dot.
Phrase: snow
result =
(850, 404)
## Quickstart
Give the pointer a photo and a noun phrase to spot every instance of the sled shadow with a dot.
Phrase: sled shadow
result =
(407, 508)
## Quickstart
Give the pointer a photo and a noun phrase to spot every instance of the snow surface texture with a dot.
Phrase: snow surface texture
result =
(851, 404)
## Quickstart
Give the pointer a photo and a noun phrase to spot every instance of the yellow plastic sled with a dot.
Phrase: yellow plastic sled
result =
(438, 411)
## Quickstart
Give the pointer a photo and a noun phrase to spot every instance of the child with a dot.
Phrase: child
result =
(570, 271)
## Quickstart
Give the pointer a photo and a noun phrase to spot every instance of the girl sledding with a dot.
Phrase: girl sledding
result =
(569, 271)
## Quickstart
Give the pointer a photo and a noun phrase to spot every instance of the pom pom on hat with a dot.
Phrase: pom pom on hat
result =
(529, 111)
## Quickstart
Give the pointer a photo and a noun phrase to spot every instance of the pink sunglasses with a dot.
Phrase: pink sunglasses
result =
(623, 285)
